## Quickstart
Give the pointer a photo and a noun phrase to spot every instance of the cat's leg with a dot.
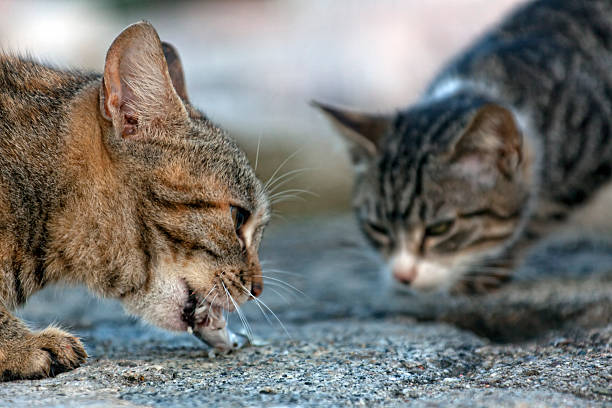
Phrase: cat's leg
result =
(487, 277)
(28, 355)
(494, 273)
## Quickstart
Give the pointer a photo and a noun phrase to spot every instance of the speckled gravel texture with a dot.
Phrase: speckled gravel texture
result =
(542, 341)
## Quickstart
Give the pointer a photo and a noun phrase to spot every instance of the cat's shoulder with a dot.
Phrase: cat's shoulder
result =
(25, 74)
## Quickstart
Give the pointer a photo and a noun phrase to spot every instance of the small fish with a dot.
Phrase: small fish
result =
(222, 339)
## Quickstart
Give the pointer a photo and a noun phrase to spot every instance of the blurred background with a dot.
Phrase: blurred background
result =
(254, 65)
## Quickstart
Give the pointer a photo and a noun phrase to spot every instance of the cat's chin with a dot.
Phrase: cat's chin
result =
(401, 288)
(172, 305)
(404, 289)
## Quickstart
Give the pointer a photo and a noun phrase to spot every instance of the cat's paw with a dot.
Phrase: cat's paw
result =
(478, 283)
(43, 354)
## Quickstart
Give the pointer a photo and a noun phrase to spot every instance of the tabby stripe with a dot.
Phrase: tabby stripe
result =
(588, 149)
(17, 269)
(549, 124)
(605, 147)
(196, 204)
(574, 151)
(418, 186)
(489, 213)
(144, 244)
(490, 239)
(39, 251)
(177, 240)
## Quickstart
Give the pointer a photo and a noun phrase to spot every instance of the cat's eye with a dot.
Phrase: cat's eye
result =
(439, 228)
(239, 216)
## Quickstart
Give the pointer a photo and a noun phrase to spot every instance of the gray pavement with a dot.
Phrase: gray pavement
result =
(542, 341)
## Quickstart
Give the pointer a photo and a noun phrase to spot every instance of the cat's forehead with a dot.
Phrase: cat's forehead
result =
(411, 173)
(211, 166)
(421, 134)
(432, 125)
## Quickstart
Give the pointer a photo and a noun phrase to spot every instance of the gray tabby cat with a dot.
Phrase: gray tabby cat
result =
(508, 141)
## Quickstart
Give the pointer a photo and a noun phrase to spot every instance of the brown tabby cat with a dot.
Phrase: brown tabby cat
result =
(116, 181)
(510, 140)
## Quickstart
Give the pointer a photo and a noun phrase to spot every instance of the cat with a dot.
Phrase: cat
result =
(509, 140)
(117, 182)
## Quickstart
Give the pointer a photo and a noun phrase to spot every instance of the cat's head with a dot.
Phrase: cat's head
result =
(439, 187)
(199, 210)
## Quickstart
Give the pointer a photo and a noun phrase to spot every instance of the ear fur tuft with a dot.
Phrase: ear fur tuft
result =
(364, 131)
(137, 90)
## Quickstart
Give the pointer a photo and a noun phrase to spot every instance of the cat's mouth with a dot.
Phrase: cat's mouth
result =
(205, 320)
(200, 314)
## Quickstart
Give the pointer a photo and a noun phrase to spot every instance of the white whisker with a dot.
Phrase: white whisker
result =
(284, 272)
(280, 295)
(288, 176)
(286, 284)
(291, 190)
(258, 301)
(271, 179)
(208, 294)
(280, 287)
(258, 305)
(287, 198)
(211, 303)
(278, 215)
(257, 153)
(226, 297)
(243, 319)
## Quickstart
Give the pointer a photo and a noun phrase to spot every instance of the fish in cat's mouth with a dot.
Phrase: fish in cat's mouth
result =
(202, 315)
(205, 320)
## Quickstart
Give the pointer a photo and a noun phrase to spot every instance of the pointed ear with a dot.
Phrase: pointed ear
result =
(137, 92)
(492, 136)
(175, 69)
(364, 131)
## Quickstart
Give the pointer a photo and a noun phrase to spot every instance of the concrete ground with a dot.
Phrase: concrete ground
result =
(542, 341)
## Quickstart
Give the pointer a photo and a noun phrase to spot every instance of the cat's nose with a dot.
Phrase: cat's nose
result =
(404, 267)
(256, 289)
(256, 275)
(405, 275)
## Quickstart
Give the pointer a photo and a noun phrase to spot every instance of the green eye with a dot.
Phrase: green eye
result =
(239, 216)
(439, 228)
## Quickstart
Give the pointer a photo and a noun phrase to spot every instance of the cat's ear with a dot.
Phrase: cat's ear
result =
(175, 69)
(364, 131)
(137, 91)
(492, 136)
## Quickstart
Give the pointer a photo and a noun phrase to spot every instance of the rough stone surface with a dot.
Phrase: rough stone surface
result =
(542, 341)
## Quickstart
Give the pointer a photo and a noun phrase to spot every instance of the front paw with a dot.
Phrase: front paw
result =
(40, 355)
(481, 283)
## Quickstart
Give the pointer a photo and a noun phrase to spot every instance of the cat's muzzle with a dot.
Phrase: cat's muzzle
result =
(207, 323)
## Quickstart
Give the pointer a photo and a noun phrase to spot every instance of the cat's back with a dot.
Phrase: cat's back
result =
(33, 97)
(34, 105)
(551, 62)
(34, 110)
(538, 47)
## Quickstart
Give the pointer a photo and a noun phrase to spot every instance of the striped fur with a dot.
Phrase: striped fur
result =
(119, 184)
(540, 89)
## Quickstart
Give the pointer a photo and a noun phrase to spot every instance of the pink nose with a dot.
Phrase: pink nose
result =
(405, 276)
